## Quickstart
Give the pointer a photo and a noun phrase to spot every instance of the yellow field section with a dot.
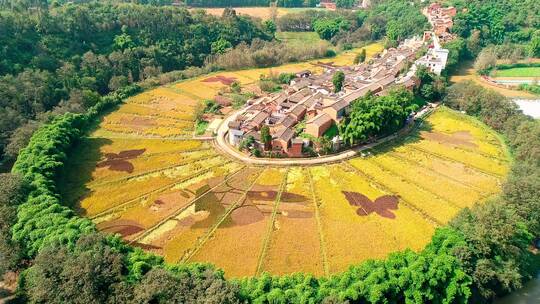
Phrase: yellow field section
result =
(347, 57)
(454, 192)
(466, 133)
(196, 224)
(155, 207)
(107, 195)
(115, 167)
(348, 237)
(163, 98)
(471, 159)
(183, 113)
(146, 125)
(150, 146)
(414, 195)
(295, 242)
(454, 170)
(251, 222)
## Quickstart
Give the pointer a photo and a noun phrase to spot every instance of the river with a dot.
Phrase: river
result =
(529, 294)
(530, 107)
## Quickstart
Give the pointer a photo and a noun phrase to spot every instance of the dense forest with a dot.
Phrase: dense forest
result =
(391, 19)
(58, 59)
(247, 3)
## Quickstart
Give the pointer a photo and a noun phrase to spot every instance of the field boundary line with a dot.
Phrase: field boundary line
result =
(153, 116)
(141, 174)
(160, 189)
(322, 241)
(177, 212)
(177, 151)
(173, 89)
(387, 190)
(437, 155)
(443, 175)
(135, 136)
(412, 182)
(202, 241)
(270, 229)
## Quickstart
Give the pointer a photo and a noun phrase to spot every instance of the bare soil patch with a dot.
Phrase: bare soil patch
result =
(246, 215)
(219, 78)
(138, 121)
(123, 227)
(460, 138)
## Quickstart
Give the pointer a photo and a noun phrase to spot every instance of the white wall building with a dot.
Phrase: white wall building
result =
(436, 57)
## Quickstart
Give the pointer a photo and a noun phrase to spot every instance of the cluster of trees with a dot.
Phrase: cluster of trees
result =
(244, 3)
(391, 19)
(267, 53)
(497, 21)
(372, 116)
(432, 87)
(499, 234)
(57, 59)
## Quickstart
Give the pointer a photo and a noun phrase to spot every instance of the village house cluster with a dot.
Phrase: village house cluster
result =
(308, 107)
(441, 20)
(310, 101)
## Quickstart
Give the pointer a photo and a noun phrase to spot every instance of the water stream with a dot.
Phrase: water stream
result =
(529, 106)
(529, 294)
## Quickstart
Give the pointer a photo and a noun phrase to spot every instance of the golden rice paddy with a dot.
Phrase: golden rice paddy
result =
(142, 175)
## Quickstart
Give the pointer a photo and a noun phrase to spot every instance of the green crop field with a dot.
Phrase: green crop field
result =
(299, 37)
(519, 72)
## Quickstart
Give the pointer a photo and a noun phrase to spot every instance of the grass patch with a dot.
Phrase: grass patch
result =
(200, 127)
(519, 72)
(298, 38)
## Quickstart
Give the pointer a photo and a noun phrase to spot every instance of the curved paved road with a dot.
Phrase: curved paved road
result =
(223, 145)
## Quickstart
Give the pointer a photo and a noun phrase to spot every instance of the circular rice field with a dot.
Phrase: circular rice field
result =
(142, 175)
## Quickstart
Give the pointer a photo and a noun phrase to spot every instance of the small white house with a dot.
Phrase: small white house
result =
(436, 57)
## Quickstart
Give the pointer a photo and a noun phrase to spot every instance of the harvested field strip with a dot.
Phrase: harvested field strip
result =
(249, 223)
(458, 170)
(271, 224)
(442, 174)
(458, 160)
(201, 241)
(295, 243)
(156, 116)
(203, 149)
(441, 188)
(103, 133)
(433, 220)
(150, 230)
(157, 170)
(316, 203)
(351, 234)
(176, 89)
(115, 166)
(126, 204)
(185, 113)
(181, 233)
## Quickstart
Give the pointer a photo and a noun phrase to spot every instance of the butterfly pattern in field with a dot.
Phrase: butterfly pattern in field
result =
(120, 161)
(382, 205)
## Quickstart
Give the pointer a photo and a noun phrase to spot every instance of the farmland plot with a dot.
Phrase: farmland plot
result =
(251, 221)
(295, 243)
(143, 176)
(194, 225)
(360, 222)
